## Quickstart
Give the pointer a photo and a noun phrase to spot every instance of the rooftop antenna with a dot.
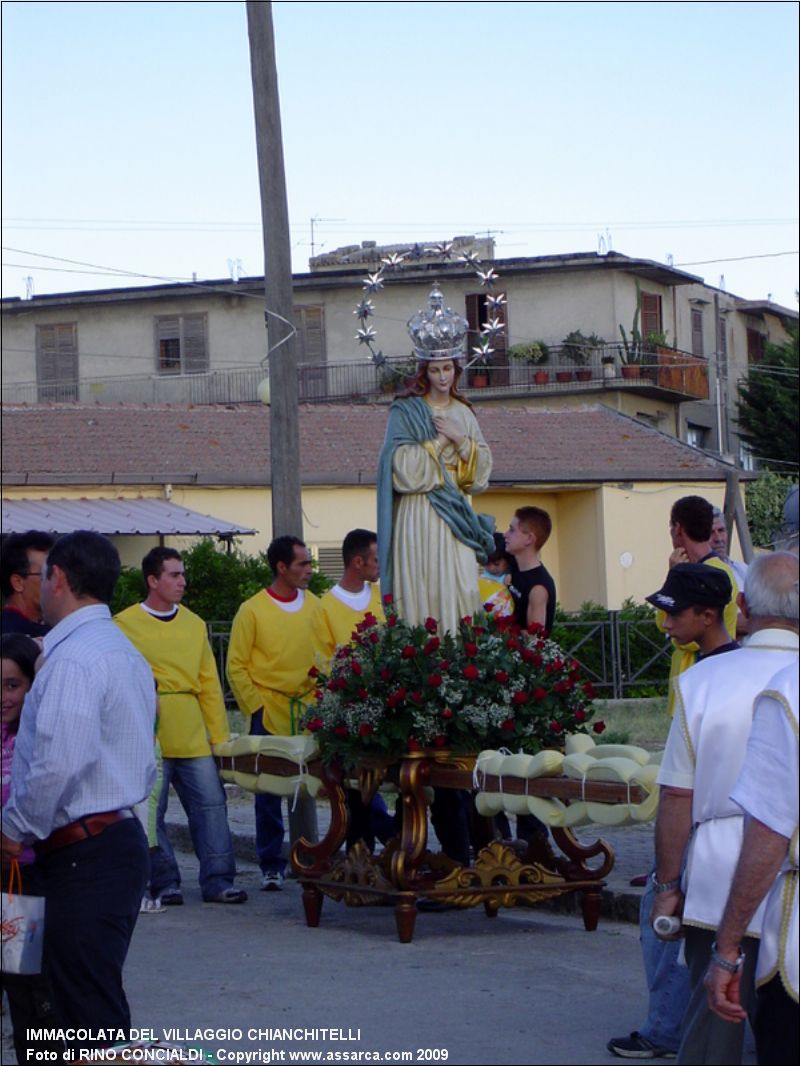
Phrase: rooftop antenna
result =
(28, 287)
(314, 219)
(235, 269)
(722, 281)
(670, 259)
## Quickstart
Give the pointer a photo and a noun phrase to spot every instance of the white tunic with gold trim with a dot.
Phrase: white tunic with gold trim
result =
(768, 790)
(704, 753)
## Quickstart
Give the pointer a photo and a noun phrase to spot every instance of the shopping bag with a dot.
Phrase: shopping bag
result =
(22, 924)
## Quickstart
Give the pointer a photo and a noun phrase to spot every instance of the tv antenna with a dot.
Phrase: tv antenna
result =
(315, 219)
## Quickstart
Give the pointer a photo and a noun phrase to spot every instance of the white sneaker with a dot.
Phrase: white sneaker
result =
(272, 881)
(151, 906)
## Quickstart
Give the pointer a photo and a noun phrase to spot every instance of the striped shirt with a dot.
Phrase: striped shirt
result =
(85, 740)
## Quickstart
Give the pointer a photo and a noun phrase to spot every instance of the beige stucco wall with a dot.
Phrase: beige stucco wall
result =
(608, 543)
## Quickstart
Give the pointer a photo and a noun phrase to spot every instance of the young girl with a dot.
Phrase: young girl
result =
(19, 655)
(30, 998)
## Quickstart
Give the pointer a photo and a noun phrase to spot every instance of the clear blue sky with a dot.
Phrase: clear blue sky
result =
(128, 134)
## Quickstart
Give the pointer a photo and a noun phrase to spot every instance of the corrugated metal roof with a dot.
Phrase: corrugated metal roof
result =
(120, 516)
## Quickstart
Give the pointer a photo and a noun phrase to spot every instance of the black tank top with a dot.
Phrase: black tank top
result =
(522, 581)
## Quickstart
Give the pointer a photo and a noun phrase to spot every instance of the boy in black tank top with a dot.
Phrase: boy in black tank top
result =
(532, 587)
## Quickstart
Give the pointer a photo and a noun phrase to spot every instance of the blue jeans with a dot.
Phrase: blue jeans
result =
(269, 817)
(667, 981)
(202, 797)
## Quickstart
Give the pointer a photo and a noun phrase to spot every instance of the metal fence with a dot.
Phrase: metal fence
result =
(620, 656)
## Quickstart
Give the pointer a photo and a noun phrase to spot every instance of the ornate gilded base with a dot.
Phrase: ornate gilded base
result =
(405, 871)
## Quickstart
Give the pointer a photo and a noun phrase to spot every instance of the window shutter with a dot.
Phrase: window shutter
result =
(57, 360)
(651, 313)
(310, 339)
(697, 333)
(195, 349)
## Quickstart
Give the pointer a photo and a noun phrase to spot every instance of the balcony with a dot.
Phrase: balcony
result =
(666, 375)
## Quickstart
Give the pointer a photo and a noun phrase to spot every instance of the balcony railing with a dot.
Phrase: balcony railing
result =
(668, 372)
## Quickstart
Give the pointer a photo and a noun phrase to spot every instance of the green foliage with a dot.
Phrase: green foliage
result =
(578, 348)
(768, 400)
(535, 352)
(764, 500)
(217, 582)
(640, 642)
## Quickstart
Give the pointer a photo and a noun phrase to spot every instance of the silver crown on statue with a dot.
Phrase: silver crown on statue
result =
(437, 332)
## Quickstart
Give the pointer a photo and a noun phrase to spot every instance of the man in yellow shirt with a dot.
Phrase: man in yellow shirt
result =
(346, 605)
(192, 717)
(271, 650)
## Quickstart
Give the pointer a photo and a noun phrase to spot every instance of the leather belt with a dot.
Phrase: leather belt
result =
(91, 825)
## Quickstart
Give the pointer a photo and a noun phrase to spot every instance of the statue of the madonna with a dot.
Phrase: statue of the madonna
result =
(433, 459)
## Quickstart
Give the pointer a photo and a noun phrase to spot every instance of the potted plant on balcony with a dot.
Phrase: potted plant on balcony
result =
(579, 349)
(536, 354)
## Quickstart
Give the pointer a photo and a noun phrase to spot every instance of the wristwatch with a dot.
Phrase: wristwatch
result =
(664, 886)
(726, 964)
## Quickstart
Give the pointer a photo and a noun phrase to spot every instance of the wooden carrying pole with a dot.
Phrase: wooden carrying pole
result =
(287, 512)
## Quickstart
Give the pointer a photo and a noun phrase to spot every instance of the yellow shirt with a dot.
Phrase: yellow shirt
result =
(339, 617)
(191, 705)
(271, 650)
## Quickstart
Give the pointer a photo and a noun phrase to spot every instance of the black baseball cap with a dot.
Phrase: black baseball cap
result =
(693, 585)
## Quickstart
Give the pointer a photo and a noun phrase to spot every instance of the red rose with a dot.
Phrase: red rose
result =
(509, 725)
(580, 715)
(488, 607)
(341, 731)
(332, 685)
(527, 655)
(413, 744)
(318, 694)
(444, 666)
(479, 631)
(439, 741)
(370, 619)
(431, 625)
(589, 691)
(447, 712)
(416, 696)
(388, 599)
(556, 727)
(512, 644)
(357, 668)
(432, 646)
(362, 694)
(313, 672)
(374, 638)
(408, 652)
(519, 698)
(314, 724)
(501, 676)
(435, 680)
(366, 729)
(539, 694)
(535, 628)
(599, 727)
(471, 672)
(391, 621)
(385, 675)
(470, 649)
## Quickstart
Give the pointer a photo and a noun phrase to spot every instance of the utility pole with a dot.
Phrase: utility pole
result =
(287, 512)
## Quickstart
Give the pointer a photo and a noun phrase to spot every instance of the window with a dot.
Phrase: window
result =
(696, 436)
(650, 303)
(697, 333)
(755, 346)
(477, 312)
(310, 340)
(312, 378)
(57, 362)
(181, 346)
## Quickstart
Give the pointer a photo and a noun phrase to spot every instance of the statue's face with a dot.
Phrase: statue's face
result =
(441, 375)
